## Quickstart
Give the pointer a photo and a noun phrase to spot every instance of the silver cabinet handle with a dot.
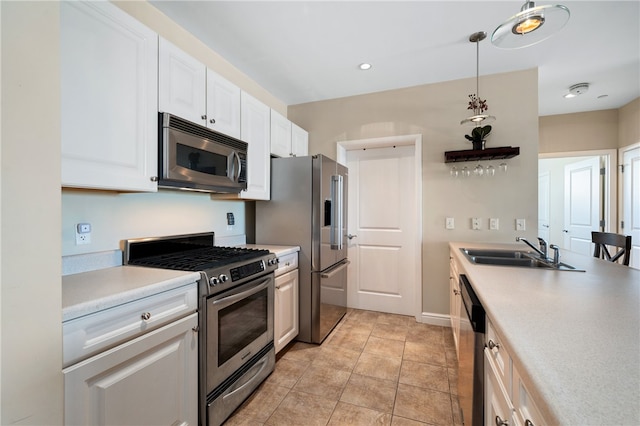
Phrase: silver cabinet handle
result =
(351, 236)
(456, 292)
(196, 328)
(154, 178)
(203, 116)
(212, 121)
(528, 423)
(146, 316)
(491, 345)
(500, 422)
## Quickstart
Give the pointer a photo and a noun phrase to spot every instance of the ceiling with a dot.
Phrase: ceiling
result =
(305, 51)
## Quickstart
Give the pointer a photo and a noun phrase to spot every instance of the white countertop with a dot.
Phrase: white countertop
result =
(90, 292)
(573, 336)
(277, 250)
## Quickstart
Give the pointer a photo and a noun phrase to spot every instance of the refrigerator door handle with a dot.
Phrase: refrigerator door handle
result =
(335, 270)
(337, 184)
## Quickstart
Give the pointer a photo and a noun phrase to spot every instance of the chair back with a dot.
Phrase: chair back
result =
(621, 242)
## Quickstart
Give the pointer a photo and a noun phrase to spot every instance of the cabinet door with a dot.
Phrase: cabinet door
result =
(497, 405)
(299, 141)
(280, 135)
(255, 130)
(182, 84)
(223, 105)
(455, 303)
(151, 380)
(109, 98)
(285, 327)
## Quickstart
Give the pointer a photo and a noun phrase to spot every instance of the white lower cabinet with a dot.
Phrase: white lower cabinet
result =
(455, 302)
(506, 399)
(286, 322)
(150, 380)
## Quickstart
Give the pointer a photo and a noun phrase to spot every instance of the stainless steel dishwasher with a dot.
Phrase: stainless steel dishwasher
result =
(470, 361)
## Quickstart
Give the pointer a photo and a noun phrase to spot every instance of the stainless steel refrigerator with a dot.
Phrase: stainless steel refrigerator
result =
(308, 208)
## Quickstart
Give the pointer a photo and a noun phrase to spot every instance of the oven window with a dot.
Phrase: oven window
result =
(201, 161)
(240, 324)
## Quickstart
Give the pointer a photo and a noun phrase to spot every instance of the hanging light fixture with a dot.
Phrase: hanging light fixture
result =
(476, 103)
(532, 25)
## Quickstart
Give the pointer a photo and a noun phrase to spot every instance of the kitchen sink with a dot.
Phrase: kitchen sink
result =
(515, 258)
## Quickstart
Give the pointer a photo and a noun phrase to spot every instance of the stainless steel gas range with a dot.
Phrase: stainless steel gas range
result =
(236, 295)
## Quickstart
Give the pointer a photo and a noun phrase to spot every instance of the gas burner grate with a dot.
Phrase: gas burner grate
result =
(200, 259)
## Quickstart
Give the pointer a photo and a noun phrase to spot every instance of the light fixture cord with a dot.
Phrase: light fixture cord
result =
(478, 69)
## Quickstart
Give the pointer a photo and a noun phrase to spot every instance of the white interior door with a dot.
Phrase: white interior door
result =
(581, 205)
(383, 216)
(544, 217)
(631, 202)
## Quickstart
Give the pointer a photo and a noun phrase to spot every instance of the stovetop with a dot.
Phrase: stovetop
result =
(221, 267)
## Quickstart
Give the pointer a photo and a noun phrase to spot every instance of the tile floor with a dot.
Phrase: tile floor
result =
(373, 369)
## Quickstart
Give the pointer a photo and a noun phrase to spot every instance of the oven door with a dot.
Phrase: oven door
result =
(239, 325)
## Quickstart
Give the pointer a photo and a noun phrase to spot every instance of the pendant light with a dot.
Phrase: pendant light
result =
(532, 25)
(476, 103)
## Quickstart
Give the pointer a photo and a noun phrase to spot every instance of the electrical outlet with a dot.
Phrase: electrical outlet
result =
(494, 224)
(475, 223)
(83, 233)
(520, 225)
(450, 223)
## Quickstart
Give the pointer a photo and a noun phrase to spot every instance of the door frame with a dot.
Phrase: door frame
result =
(611, 180)
(621, 152)
(387, 142)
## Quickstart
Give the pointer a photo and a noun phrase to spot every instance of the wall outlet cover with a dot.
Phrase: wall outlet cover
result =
(450, 223)
(520, 225)
(494, 224)
(475, 223)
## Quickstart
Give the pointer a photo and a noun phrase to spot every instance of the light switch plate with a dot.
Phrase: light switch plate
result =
(494, 224)
(520, 225)
(450, 223)
(475, 223)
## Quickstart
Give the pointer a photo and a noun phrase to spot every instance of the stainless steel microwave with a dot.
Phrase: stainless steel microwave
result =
(193, 157)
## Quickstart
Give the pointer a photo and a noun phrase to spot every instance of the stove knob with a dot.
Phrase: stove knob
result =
(214, 281)
(223, 278)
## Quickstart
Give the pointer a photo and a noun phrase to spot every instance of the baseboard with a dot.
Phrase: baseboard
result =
(435, 319)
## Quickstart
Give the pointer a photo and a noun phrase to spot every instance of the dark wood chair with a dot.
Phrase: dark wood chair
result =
(604, 239)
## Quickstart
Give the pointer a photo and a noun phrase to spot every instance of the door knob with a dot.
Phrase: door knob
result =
(351, 236)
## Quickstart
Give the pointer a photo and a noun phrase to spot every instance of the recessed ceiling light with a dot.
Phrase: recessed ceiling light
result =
(364, 66)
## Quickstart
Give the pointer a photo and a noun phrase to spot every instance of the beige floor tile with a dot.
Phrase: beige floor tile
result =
(323, 381)
(390, 331)
(302, 352)
(401, 421)
(424, 352)
(453, 380)
(384, 347)
(262, 404)
(300, 408)
(287, 372)
(452, 359)
(337, 357)
(358, 327)
(347, 414)
(348, 339)
(426, 376)
(378, 366)
(394, 319)
(370, 392)
(363, 316)
(455, 407)
(240, 420)
(423, 405)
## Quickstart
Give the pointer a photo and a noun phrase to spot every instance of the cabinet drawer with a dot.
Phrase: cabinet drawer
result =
(500, 356)
(88, 335)
(287, 263)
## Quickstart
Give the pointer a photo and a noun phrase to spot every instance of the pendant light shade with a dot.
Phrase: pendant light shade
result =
(532, 25)
(477, 104)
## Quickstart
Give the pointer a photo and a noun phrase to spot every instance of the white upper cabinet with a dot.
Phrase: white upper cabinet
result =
(182, 84)
(287, 139)
(223, 105)
(190, 90)
(280, 135)
(255, 130)
(299, 141)
(109, 98)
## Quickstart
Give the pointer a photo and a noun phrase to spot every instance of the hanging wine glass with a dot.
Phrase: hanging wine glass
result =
(479, 170)
(491, 171)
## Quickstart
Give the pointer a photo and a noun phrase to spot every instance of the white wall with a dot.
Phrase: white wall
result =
(30, 277)
(119, 216)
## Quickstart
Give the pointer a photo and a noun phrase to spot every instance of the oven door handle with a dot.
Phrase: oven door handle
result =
(228, 300)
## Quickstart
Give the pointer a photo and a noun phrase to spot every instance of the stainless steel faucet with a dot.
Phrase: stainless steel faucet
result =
(543, 246)
(556, 254)
(542, 253)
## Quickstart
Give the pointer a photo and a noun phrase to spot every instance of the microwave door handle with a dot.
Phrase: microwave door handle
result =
(237, 166)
